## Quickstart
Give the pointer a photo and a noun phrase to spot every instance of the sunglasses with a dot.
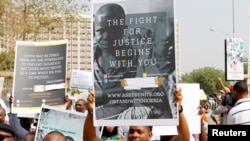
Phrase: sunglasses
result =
(2, 137)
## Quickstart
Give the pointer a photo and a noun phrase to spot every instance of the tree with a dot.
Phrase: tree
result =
(207, 77)
(46, 14)
(246, 65)
(73, 91)
(7, 60)
(5, 8)
(24, 19)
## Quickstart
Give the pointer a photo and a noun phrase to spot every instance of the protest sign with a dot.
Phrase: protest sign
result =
(39, 75)
(134, 64)
(70, 123)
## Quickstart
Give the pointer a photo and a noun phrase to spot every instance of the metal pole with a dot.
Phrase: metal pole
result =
(248, 64)
(212, 29)
(233, 18)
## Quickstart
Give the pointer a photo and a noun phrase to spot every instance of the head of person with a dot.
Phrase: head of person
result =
(110, 128)
(54, 136)
(69, 104)
(81, 105)
(26, 122)
(110, 132)
(140, 133)
(2, 115)
(240, 90)
(29, 137)
(109, 25)
(207, 106)
(7, 133)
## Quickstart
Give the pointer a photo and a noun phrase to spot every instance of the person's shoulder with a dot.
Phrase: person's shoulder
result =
(241, 101)
(238, 105)
(244, 100)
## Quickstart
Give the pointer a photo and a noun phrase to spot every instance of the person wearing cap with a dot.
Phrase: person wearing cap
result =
(15, 123)
(6, 132)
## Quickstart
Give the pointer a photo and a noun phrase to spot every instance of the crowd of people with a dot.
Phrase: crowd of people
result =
(22, 128)
(229, 113)
(232, 106)
(17, 130)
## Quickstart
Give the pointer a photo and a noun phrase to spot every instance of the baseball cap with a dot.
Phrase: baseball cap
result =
(7, 128)
(231, 88)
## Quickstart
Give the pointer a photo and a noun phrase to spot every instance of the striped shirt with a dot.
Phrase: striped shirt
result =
(240, 112)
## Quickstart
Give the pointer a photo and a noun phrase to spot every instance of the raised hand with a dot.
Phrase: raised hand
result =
(178, 96)
(90, 101)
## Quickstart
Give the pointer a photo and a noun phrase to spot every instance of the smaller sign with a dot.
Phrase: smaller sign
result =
(234, 59)
(81, 79)
(69, 123)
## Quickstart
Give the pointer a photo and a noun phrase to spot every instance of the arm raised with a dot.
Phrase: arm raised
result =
(89, 132)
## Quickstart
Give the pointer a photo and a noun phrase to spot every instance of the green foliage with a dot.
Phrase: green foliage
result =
(245, 65)
(73, 91)
(7, 60)
(207, 77)
(32, 16)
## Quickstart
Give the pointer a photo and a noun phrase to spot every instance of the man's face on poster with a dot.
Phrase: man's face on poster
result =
(163, 37)
(109, 26)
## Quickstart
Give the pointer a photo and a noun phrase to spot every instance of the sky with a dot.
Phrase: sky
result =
(200, 47)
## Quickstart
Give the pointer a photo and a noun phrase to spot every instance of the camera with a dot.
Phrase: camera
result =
(228, 99)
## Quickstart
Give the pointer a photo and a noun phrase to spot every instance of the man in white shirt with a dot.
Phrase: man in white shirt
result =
(240, 112)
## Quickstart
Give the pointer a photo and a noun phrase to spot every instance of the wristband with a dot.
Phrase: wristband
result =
(180, 110)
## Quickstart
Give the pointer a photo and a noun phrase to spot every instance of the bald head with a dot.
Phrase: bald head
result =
(240, 89)
(81, 105)
(109, 12)
(109, 25)
(54, 136)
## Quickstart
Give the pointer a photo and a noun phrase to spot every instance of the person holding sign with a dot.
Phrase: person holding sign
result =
(141, 133)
